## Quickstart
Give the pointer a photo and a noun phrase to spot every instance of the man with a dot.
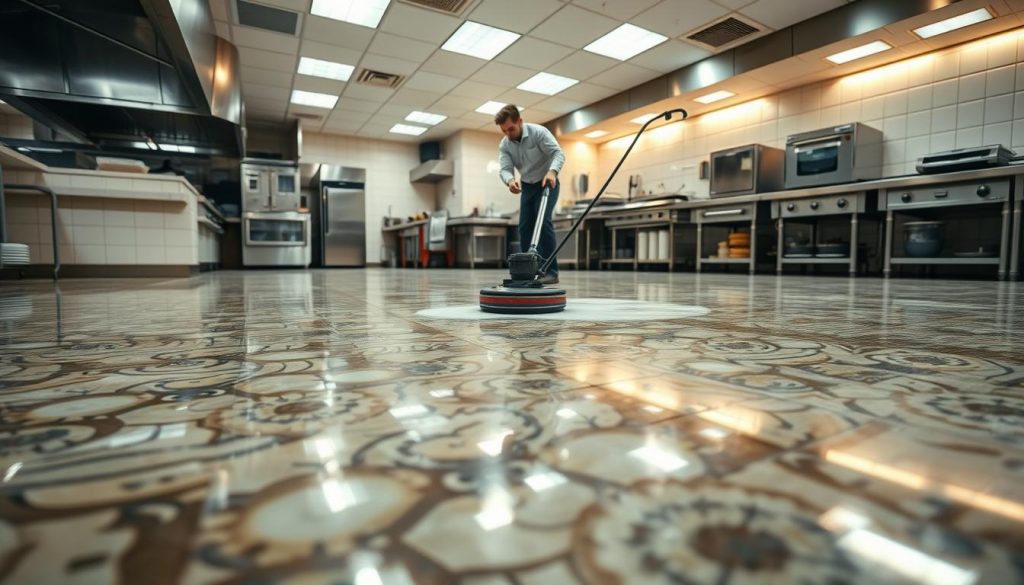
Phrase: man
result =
(533, 150)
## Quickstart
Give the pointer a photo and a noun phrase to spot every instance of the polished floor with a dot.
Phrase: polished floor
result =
(312, 427)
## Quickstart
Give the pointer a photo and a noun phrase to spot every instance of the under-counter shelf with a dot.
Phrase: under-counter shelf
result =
(725, 260)
(843, 260)
(989, 261)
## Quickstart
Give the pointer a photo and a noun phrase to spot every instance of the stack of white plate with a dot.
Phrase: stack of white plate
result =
(13, 254)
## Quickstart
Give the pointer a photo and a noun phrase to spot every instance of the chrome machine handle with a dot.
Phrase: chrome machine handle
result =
(326, 216)
(540, 219)
(724, 212)
(817, 146)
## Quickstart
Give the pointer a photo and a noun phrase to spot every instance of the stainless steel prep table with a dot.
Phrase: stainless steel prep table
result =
(475, 228)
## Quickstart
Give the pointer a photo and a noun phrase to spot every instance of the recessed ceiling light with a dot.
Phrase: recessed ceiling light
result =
(490, 108)
(596, 134)
(625, 42)
(407, 129)
(643, 119)
(425, 118)
(479, 40)
(714, 97)
(310, 98)
(951, 24)
(547, 83)
(361, 12)
(328, 69)
(859, 52)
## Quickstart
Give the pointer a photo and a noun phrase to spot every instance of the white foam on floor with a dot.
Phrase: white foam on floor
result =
(581, 310)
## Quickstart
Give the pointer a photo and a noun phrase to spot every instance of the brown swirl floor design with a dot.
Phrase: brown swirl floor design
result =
(309, 427)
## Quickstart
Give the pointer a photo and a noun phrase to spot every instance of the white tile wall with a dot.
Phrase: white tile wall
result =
(968, 95)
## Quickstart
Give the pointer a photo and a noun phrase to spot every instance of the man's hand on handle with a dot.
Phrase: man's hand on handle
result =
(550, 179)
(514, 187)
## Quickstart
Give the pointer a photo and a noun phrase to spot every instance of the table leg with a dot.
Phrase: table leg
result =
(472, 249)
(700, 244)
(1004, 241)
(1018, 202)
(887, 266)
(853, 243)
(753, 244)
(780, 227)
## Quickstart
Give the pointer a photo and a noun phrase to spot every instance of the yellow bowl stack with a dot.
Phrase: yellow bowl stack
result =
(738, 245)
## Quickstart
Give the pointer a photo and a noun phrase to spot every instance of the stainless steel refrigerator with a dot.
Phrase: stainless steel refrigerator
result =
(342, 215)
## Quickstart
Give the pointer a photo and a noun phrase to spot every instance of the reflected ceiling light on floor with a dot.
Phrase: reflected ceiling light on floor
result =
(479, 40)
(714, 97)
(660, 458)
(311, 98)
(547, 83)
(425, 118)
(625, 42)
(903, 560)
(326, 69)
(643, 119)
(951, 24)
(859, 52)
(407, 129)
(596, 134)
(544, 480)
(362, 12)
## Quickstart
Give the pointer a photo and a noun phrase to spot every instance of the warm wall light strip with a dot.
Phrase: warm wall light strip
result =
(714, 97)
(859, 52)
(596, 134)
(951, 24)
(643, 119)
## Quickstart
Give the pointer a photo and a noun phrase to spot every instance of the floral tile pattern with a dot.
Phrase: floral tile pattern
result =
(311, 427)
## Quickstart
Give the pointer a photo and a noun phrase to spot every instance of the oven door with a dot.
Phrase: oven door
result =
(276, 229)
(285, 186)
(820, 161)
(733, 172)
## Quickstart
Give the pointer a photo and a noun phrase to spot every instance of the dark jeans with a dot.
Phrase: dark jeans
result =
(529, 205)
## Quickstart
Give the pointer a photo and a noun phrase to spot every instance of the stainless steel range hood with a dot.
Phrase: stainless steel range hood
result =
(122, 74)
(432, 171)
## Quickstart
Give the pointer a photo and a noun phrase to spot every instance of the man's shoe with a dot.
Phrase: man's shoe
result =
(550, 279)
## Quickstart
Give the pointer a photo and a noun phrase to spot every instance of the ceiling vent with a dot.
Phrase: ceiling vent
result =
(267, 18)
(724, 32)
(454, 7)
(379, 79)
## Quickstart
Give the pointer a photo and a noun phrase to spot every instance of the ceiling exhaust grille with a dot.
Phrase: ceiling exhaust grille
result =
(447, 6)
(723, 33)
(267, 18)
(378, 78)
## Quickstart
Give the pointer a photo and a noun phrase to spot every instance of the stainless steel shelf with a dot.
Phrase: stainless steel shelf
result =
(618, 261)
(816, 260)
(725, 260)
(652, 261)
(977, 261)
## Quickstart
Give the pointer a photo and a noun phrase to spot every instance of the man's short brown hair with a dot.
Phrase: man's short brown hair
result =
(508, 112)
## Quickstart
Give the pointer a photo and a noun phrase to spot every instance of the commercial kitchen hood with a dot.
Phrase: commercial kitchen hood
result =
(432, 171)
(124, 74)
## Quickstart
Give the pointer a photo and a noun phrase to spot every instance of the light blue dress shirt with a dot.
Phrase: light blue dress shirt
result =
(534, 155)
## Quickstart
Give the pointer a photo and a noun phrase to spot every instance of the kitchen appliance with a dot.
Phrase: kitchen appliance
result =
(275, 223)
(840, 154)
(962, 159)
(341, 208)
(923, 239)
(746, 170)
(269, 185)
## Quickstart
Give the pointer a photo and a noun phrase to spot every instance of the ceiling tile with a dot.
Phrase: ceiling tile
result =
(617, 9)
(675, 17)
(395, 110)
(582, 65)
(293, 5)
(368, 92)
(319, 84)
(558, 105)
(388, 64)
(669, 56)
(475, 89)
(245, 36)
(414, 98)
(270, 92)
(426, 81)
(536, 52)
(268, 59)
(404, 48)
(503, 74)
(539, 116)
(349, 116)
(521, 19)
(327, 52)
(354, 105)
(263, 104)
(523, 99)
(780, 14)
(335, 32)
(458, 102)
(342, 127)
(418, 23)
(575, 27)
(220, 10)
(444, 62)
(309, 111)
(624, 76)
(786, 69)
(587, 92)
(267, 77)
(736, 4)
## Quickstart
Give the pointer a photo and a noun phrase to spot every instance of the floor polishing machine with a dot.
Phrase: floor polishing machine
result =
(523, 293)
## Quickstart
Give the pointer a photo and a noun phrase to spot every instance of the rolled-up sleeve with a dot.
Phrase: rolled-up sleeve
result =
(507, 172)
(551, 147)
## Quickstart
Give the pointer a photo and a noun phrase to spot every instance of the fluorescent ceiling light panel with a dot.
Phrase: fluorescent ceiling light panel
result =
(407, 129)
(491, 108)
(714, 97)
(596, 134)
(425, 118)
(328, 69)
(316, 100)
(951, 24)
(479, 40)
(643, 119)
(859, 52)
(625, 42)
(547, 83)
(361, 12)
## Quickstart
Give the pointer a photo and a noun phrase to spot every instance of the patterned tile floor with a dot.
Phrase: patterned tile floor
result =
(310, 427)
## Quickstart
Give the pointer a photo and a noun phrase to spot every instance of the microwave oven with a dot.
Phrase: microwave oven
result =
(840, 154)
(746, 170)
